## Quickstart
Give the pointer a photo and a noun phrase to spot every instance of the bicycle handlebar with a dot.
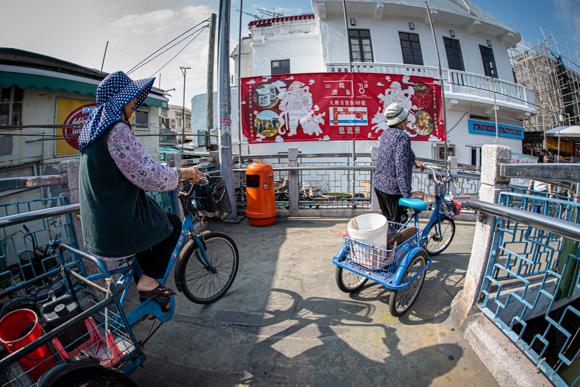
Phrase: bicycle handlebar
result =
(445, 180)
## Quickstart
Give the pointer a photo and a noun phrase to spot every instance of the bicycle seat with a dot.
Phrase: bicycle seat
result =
(415, 203)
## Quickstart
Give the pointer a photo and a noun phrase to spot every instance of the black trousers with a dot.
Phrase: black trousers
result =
(390, 206)
(154, 261)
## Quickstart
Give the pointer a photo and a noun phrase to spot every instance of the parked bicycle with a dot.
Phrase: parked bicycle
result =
(96, 342)
(440, 229)
(401, 266)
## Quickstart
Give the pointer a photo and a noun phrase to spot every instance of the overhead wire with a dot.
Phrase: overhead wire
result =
(146, 59)
(163, 52)
(201, 30)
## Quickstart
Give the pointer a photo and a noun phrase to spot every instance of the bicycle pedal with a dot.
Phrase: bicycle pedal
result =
(164, 302)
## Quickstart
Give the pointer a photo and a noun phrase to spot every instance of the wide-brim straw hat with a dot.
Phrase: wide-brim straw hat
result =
(113, 93)
(395, 114)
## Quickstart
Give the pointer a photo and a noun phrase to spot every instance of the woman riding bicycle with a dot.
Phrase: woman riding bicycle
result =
(392, 177)
(118, 219)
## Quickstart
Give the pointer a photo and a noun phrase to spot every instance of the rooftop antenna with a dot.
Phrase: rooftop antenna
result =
(272, 14)
(256, 17)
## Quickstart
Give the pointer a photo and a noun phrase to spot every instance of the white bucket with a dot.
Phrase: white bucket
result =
(372, 230)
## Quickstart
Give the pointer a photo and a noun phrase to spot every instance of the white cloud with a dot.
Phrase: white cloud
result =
(380, 84)
(279, 139)
(569, 12)
(433, 138)
(251, 81)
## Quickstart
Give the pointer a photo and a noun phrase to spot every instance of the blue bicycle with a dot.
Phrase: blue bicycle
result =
(440, 229)
(206, 266)
(402, 265)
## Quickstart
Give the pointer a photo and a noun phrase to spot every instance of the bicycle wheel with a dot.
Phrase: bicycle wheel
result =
(439, 236)
(401, 300)
(94, 376)
(202, 285)
(348, 281)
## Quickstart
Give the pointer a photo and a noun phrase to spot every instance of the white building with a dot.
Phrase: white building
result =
(172, 119)
(395, 37)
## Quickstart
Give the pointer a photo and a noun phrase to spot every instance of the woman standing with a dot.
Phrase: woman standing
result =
(118, 219)
(395, 161)
(537, 185)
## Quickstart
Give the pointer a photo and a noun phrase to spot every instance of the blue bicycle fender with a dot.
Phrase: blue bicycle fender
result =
(404, 263)
(342, 253)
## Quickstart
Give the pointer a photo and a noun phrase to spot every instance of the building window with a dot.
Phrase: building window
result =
(454, 56)
(411, 47)
(178, 118)
(11, 105)
(488, 61)
(441, 151)
(361, 49)
(142, 118)
(280, 66)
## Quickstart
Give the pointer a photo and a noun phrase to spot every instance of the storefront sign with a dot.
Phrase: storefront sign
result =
(486, 127)
(70, 112)
(338, 106)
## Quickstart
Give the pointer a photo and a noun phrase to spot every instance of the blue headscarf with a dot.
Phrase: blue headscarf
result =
(113, 93)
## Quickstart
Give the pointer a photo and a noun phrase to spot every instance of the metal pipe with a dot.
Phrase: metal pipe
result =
(184, 72)
(346, 36)
(557, 226)
(14, 183)
(442, 83)
(11, 220)
(104, 55)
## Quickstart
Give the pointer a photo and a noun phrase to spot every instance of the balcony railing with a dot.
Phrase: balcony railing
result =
(519, 93)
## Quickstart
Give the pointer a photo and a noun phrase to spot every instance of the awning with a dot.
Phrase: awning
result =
(564, 131)
(40, 82)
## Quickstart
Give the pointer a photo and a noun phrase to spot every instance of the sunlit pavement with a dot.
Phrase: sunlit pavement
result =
(285, 322)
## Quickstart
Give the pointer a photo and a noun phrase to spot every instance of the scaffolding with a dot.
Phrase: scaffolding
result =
(555, 79)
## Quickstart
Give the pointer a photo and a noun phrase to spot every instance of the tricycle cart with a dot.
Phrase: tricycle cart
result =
(400, 267)
(94, 344)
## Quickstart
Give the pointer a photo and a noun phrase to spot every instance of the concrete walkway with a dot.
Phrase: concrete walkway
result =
(284, 322)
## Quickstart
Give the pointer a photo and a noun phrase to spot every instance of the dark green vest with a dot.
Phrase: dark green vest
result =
(118, 218)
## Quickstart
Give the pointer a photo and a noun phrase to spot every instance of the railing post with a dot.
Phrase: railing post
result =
(293, 181)
(453, 170)
(71, 168)
(374, 200)
(491, 185)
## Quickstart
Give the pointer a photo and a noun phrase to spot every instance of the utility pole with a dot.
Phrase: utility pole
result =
(225, 135)
(104, 55)
(209, 100)
(183, 71)
(240, 87)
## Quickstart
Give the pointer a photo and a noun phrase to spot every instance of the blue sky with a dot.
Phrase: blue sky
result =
(77, 31)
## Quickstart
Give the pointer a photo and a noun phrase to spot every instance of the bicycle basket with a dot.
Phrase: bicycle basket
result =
(211, 202)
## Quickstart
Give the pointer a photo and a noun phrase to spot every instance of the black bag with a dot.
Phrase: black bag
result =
(211, 201)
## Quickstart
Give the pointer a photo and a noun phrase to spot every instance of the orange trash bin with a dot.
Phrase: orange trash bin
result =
(260, 195)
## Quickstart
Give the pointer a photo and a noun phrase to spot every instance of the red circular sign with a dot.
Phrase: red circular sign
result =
(75, 118)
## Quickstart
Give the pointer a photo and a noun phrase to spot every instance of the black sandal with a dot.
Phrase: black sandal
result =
(160, 290)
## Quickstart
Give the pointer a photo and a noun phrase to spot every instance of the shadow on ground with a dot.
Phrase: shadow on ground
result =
(284, 321)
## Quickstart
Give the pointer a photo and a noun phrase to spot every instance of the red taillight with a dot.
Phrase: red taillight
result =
(458, 206)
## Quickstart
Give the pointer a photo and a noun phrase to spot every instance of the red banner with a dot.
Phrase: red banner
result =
(338, 106)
